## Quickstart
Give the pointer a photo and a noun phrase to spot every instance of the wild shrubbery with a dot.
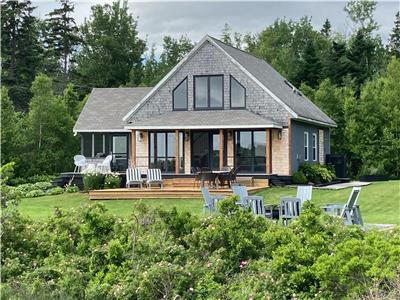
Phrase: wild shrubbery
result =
(89, 253)
(314, 173)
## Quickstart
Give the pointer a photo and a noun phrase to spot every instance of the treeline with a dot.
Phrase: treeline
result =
(49, 66)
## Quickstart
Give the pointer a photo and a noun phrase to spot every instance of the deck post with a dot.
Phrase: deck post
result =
(268, 151)
(176, 151)
(221, 149)
(133, 149)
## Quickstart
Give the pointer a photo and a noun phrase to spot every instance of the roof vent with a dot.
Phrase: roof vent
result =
(294, 90)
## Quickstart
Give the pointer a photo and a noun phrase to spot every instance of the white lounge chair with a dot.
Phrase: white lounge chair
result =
(349, 211)
(105, 166)
(304, 193)
(154, 177)
(133, 177)
(210, 201)
(80, 163)
(289, 209)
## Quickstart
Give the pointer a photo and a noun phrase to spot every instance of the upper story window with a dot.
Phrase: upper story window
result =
(238, 94)
(180, 96)
(209, 92)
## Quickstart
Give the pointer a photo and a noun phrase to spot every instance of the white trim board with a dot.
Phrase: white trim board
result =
(163, 127)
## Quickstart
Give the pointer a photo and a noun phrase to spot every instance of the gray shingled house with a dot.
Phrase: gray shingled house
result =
(218, 106)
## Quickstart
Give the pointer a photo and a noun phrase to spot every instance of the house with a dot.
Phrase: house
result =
(218, 106)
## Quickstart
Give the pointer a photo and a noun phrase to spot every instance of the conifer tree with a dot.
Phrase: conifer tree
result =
(394, 42)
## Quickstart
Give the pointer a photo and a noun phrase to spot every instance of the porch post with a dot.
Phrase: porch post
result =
(133, 149)
(221, 149)
(176, 151)
(267, 151)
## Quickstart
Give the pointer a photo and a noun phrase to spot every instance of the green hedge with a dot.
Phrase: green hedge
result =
(314, 173)
(89, 253)
(93, 181)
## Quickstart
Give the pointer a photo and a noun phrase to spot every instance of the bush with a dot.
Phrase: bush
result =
(34, 193)
(93, 181)
(317, 173)
(71, 189)
(44, 186)
(299, 178)
(55, 191)
(32, 179)
(112, 181)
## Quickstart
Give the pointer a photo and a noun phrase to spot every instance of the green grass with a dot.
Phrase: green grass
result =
(379, 202)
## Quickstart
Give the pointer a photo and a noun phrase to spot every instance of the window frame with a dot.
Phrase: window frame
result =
(314, 147)
(306, 148)
(208, 93)
(187, 95)
(253, 156)
(230, 93)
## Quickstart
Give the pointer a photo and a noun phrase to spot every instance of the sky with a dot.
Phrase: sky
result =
(196, 19)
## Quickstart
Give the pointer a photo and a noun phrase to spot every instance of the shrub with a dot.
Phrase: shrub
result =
(299, 178)
(71, 189)
(32, 179)
(35, 193)
(44, 186)
(317, 173)
(112, 181)
(93, 181)
(55, 191)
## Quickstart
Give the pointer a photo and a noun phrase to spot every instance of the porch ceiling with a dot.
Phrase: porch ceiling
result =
(204, 119)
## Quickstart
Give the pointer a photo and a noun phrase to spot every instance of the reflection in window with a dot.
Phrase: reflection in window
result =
(180, 99)
(238, 94)
(208, 91)
(250, 151)
(163, 153)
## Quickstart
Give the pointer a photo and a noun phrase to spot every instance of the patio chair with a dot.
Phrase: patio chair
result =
(79, 162)
(154, 177)
(304, 193)
(349, 211)
(244, 198)
(289, 209)
(208, 177)
(227, 179)
(258, 208)
(210, 201)
(197, 176)
(133, 177)
(105, 166)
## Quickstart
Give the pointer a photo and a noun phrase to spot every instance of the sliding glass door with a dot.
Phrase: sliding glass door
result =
(205, 149)
(250, 151)
(162, 150)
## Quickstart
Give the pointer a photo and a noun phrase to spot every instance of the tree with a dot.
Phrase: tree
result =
(336, 64)
(361, 12)
(51, 144)
(226, 34)
(309, 66)
(394, 42)
(174, 50)
(111, 48)
(71, 101)
(21, 51)
(62, 39)
(326, 29)
(10, 129)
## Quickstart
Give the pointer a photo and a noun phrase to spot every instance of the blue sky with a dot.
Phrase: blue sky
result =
(195, 19)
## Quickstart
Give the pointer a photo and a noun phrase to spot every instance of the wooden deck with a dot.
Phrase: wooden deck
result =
(165, 193)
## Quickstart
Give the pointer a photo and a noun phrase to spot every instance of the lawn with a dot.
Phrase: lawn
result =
(379, 202)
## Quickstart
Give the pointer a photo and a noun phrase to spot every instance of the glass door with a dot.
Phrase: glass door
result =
(120, 152)
(205, 149)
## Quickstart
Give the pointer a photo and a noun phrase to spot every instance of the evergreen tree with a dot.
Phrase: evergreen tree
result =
(226, 34)
(21, 50)
(337, 65)
(111, 48)
(326, 29)
(151, 69)
(309, 66)
(62, 37)
(394, 42)
(71, 101)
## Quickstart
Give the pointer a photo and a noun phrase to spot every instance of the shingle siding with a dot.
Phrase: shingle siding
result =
(209, 60)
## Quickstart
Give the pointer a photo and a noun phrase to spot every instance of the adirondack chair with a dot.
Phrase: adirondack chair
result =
(210, 201)
(258, 208)
(133, 177)
(154, 177)
(304, 193)
(244, 198)
(289, 209)
(349, 211)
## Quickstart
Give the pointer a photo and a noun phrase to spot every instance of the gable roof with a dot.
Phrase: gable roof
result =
(299, 106)
(277, 84)
(105, 108)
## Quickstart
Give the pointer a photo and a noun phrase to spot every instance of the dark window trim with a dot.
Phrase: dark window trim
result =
(187, 95)
(230, 93)
(252, 146)
(208, 92)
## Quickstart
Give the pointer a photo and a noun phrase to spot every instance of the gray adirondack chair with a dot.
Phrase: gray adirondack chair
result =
(304, 193)
(349, 211)
(289, 209)
(258, 208)
(210, 201)
(244, 198)
(133, 177)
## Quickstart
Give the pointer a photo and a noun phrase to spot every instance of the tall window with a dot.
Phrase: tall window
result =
(305, 145)
(95, 144)
(314, 147)
(163, 152)
(238, 94)
(250, 151)
(180, 96)
(208, 91)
